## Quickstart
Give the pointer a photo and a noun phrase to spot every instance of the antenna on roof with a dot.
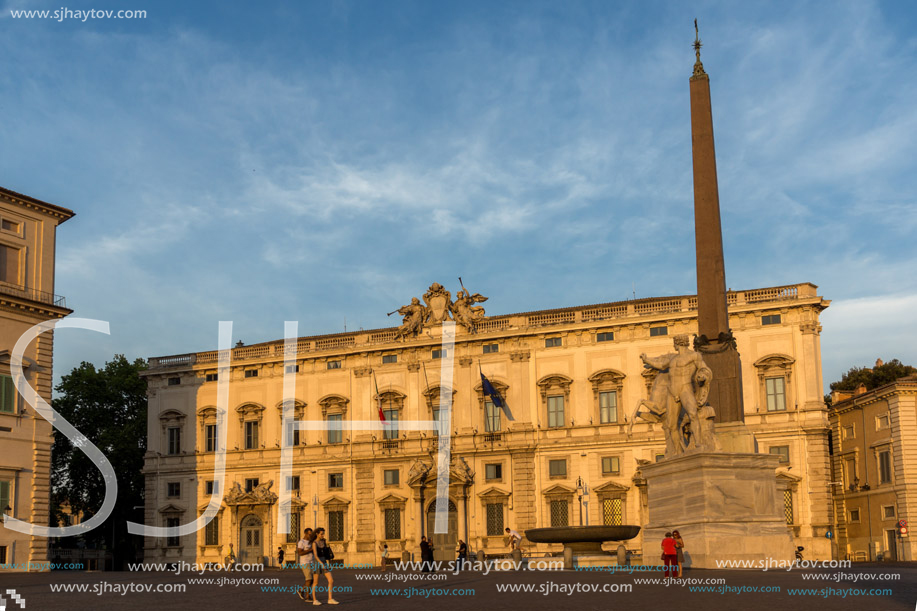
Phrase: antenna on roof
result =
(345, 324)
(634, 289)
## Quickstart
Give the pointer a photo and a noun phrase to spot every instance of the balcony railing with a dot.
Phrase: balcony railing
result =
(32, 294)
(356, 340)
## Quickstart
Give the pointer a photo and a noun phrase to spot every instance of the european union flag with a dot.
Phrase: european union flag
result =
(495, 397)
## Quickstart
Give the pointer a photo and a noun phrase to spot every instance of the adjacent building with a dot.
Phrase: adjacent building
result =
(571, 377)
(874, 451)
(27, 244)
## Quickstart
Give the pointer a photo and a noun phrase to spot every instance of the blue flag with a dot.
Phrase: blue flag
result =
(495, 397)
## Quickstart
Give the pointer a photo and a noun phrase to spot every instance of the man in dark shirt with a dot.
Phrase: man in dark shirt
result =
(426, 555)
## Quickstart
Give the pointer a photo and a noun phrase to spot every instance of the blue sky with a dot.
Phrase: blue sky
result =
(326, 161)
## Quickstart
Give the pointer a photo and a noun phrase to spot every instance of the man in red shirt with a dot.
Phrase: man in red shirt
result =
(669, 556)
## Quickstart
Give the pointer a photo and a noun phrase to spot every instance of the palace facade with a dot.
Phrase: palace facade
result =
(27, 242)
(571, 378)
(875, 466)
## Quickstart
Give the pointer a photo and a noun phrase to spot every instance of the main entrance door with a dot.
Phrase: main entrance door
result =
(251, 539)
(444, 546)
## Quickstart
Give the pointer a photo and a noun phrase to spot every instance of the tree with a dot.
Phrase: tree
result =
(108, 406)
(881, 374)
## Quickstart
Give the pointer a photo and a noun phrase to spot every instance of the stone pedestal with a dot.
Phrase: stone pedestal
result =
(735, 437)
(724, 505)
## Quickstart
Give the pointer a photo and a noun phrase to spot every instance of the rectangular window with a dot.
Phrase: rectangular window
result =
(659, 457)
(252, 483)
(885, 467)
(292, 434)
(605, 336)
(3, 559)
(557, 468)
(491, 348)
(776, 394)
(883, 422)
(392, 523)
(559, 513)
(608, 407)
(435, 412)
(212, 532)
(854, 516)
(334, 364)
(555, 412)
(391, 430)
(335, 480)
(612, 512)
(770, 319)
(9, 264)
(7, 395)
(788, 506)
(848, 433)
(174, 435)
(658, 331)
(6, 496)
(293, 483)
(10, 226)
(553, 342)
(389, 358)
(211, 377)
(293, 535)
(438, 354)
(611, 465)
(251, 435)
(172, 541)
(491, 417)
(210, 438)
(251, 373)
(174, 381)
(291, 369)
(335, 435)
(173, 489)
(782, 451)
(209, 487)
(494, 519)
(850, 473)
(391, 477)
(335, 525)
(493, 471)
(888, 512)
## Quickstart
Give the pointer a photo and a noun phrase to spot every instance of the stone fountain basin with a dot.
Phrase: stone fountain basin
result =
(582, 539)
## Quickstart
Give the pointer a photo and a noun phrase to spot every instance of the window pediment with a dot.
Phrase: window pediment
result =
(559, 490)
(610, 377)
(171, 415)
(250, 411)
(171, 508)
(774, 361)
(335, 503)
(611, 487)
(494, 494)
(333, 404)
(392, 501)
(299, 408)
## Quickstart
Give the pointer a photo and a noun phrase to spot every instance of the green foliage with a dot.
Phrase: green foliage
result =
(108, 406)
(874, 377)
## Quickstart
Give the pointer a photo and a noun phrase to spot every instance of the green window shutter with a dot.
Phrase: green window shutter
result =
(7, 395)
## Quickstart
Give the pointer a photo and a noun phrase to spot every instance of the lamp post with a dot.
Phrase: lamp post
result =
(586, 500)
(579, 489)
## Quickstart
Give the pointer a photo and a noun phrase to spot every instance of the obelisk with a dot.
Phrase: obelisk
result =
(714, 340)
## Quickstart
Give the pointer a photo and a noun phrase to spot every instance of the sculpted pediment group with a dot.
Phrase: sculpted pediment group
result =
(438, 306)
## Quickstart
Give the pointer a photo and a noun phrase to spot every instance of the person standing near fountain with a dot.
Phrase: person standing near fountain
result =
(515, 539)
(679, 551)
(669, 555)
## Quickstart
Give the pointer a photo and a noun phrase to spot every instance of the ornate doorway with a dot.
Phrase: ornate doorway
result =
(250, 540)
(444, 546)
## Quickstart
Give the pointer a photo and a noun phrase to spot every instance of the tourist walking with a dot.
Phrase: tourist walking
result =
(304, 556)
(280, 558)
(323, 557)
(230, 557)
(669, 555)
(679, 551)
(462, 554)
(384, 556)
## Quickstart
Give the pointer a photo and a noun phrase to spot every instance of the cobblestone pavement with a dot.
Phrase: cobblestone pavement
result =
(829, 589)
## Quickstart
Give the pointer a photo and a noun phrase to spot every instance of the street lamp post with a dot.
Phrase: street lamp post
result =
(579, 489)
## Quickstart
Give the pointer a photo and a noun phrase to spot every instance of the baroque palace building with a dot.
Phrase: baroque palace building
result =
(27, 243)
(571, 377)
